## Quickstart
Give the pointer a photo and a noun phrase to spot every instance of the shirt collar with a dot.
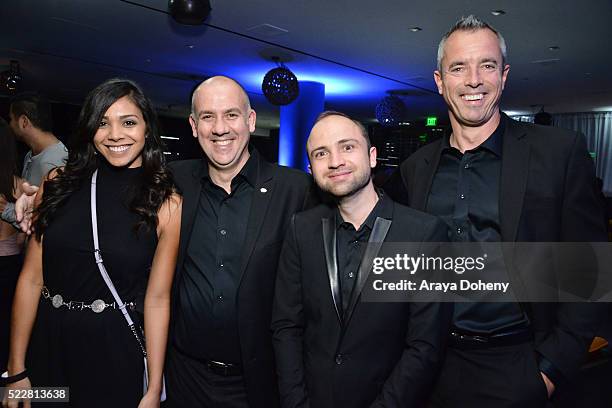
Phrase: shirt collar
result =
(493, 143)
(382, 209)
(248, 173)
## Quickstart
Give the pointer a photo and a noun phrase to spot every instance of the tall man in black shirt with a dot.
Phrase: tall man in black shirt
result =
(495, 179)
(332, 350)
(236, 210)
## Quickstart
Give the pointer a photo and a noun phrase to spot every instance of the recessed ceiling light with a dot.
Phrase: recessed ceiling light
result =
(190, 46)
(415, 29)
(498, 12)
(554, 48)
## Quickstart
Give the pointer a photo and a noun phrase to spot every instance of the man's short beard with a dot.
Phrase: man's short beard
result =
(353, 191)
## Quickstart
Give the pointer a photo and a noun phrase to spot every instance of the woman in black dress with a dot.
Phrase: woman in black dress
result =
(94, 352)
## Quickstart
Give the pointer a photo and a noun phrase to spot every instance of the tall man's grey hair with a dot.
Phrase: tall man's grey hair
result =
(471, 23)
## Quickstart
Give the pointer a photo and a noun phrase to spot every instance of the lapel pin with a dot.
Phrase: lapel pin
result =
(263, 190)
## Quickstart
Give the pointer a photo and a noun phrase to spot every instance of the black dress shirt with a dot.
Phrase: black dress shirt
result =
(207, 327)
(465, 195)
(351, 243)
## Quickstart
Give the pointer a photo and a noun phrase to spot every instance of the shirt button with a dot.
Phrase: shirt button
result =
(351, 275)
(220, 298)
(338, 359)
(220, 265)
(459, 231)
(223, 232)
(462, 196)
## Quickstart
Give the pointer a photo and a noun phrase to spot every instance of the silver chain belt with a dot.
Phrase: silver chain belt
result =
(97, 306)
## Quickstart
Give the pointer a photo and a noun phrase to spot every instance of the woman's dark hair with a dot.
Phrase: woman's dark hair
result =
(82, 161)
(8, 162)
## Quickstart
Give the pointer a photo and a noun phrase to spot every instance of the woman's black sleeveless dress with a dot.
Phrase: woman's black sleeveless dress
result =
(95, 354)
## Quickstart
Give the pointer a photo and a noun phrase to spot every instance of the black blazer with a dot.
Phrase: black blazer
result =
(382, 354)
(548, 194)
(279, 193)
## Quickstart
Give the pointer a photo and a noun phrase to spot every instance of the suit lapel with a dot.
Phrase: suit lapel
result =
(377, 236)
(423, 178)
(514, 173)
(331, 261)
(191, 190)
(264, 189)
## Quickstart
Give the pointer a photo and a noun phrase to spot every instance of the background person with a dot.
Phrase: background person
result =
(31, 122)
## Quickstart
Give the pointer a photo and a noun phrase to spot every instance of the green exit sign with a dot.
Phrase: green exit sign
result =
(432, 121)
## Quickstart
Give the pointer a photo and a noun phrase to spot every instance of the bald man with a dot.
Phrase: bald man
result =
(236, 210)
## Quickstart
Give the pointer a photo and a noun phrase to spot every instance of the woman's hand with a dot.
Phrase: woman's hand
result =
(19, 385)
(149, 400)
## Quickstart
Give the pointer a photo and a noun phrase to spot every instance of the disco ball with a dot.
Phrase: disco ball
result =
(280, 86)
(390, 110)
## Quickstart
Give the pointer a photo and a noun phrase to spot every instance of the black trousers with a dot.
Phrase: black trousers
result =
(189, 383)
(496, 377)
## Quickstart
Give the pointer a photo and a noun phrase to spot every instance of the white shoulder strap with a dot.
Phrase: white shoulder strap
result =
(99, 262)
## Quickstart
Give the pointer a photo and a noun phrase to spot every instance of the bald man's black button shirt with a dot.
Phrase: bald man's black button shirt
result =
(207, 325)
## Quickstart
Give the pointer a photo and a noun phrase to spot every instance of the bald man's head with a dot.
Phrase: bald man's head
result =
(222, 121)
(211, 83)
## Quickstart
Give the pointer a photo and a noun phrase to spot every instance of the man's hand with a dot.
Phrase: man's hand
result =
(24, 206)
(550, 387)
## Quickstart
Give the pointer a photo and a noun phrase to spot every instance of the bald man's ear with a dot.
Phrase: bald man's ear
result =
(309, 169)
(251, 120)
(194, 126)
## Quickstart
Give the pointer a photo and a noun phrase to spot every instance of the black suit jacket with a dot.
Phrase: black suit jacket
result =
(279, 193)
(382, 354)
(548, 194)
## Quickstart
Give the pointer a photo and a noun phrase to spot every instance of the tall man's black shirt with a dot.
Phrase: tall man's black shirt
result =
(465, 195)
(207, 326)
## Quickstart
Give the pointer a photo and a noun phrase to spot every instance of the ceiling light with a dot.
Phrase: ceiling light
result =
(498, 12)
(189, 12)
(554, 47)
(11, 79)
(415, 29)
